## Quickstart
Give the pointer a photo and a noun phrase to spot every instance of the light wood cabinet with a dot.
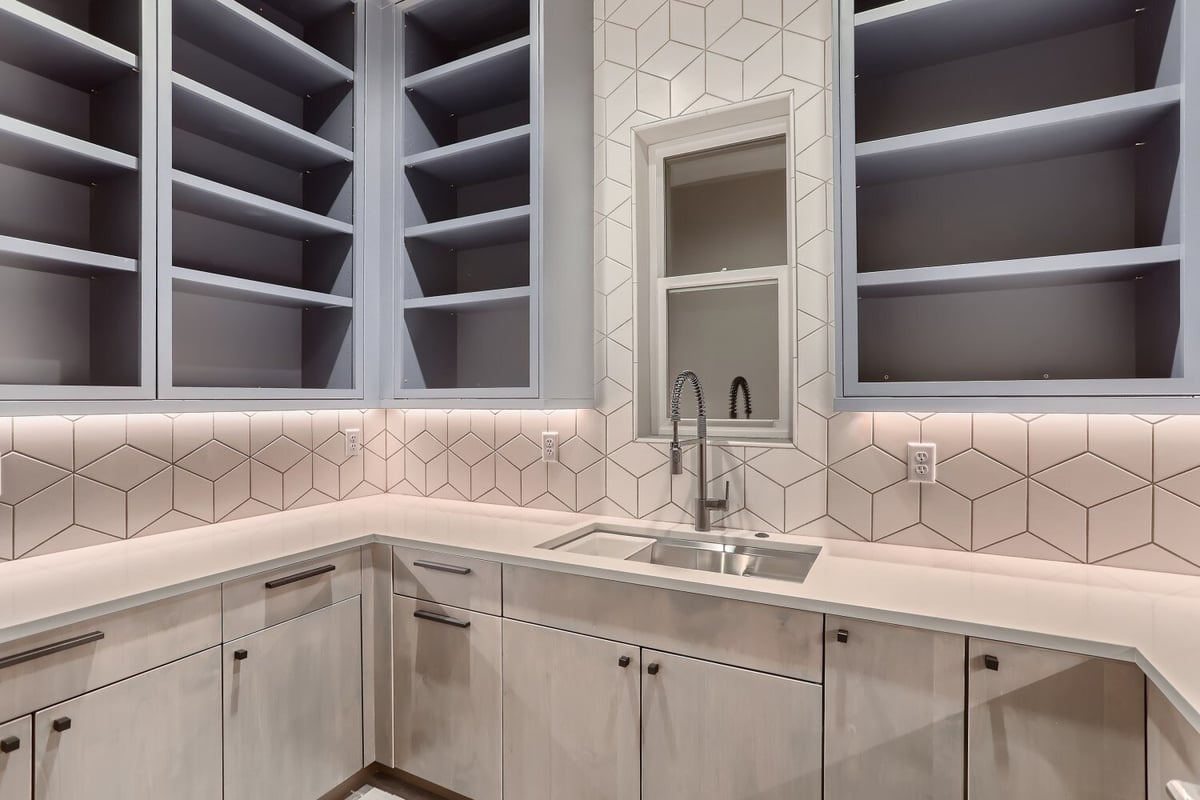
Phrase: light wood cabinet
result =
(1172, 746)
(154, 735)
(294, 706)
(894, 712)
(16, 759)
(1043, 723)
(571, 715)
(448, 697)
(712, 732)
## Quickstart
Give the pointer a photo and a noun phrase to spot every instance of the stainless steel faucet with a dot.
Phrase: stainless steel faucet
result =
(704, 504)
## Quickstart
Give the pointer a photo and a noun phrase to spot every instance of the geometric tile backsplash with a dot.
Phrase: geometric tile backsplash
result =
(1113, 489)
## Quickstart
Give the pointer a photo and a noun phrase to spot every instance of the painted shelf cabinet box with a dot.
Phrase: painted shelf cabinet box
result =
(1022, 247)
(488, 286)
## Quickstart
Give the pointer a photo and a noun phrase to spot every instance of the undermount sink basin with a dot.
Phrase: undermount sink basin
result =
(745, 560)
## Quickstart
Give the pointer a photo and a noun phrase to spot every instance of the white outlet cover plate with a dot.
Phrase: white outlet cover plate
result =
(922, 462)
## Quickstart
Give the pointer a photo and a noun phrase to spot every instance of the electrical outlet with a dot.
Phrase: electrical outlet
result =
(550, 447)
(922, 463)
(353, 442)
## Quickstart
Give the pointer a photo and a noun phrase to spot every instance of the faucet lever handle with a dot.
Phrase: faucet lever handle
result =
(726, 501)
(676, 459)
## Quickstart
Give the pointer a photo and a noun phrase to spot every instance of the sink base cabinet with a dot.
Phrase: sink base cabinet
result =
(157, 734)
(294, 705)
(1043, 723)
(571, 709)
(448, 697)
(16, 766)
(894, 717)
(712, 732)
(1172, 746)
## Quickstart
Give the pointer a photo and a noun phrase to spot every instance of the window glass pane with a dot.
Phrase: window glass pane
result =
(721, 333)
(727, 208)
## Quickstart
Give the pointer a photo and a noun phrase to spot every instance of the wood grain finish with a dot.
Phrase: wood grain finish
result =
(439, 579)
(895, 712)
(293, 706)
(134, 641)
(16, 768)
(249, 606)
(1172, 746)
(712, 732)
(1054, 725)
(154, 735)
(449, 698)
(776, 640)
(571, 716)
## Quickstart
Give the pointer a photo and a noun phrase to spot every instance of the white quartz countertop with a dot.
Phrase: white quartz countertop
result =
(1152, 619)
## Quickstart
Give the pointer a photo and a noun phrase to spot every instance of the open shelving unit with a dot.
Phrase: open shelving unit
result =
(485, 94)
(76, 162)
(264, 284)
(1012, 234)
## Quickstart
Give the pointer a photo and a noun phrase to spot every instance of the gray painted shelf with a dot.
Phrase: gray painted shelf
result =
(211, 199)
(225, 287)
(497, 298)
(42, 257)
(495, 76)
(34, 148)
(485, 158)
(479, 230)
(47, 46)
(246, 39)
(213, 115)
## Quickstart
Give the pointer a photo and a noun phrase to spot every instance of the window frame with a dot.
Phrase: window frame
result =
(660, 285)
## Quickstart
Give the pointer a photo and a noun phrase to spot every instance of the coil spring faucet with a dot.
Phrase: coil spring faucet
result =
(704, 504)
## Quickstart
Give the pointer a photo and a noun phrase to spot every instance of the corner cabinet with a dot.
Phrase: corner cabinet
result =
(487, 271)
(1012, 204)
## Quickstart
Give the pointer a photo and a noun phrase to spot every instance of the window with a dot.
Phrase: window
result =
(714, 271)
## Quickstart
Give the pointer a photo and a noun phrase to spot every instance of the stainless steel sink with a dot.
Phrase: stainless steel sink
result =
(788, 563)
(730, 559)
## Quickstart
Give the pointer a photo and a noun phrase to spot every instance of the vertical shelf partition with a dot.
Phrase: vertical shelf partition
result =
(1015, 227)
(264, 288)
(486, 94)
(76, 248)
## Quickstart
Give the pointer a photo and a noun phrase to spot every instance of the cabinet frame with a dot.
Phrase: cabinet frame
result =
(1102, 395)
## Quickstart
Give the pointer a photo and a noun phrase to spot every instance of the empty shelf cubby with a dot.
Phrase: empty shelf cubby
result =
(923, 66)
(440, 33)
(470, 345)
(1128, 328)
(235, 340)
(1080, 201)
(432, 270)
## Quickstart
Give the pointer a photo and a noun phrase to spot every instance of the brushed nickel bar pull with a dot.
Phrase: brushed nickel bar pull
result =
(50, 649)
(436, 567)
(300, 576)
(442, 618)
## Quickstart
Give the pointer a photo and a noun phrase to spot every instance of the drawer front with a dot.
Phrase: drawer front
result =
(56, 666)
(268, 598)
(449, 697)
(16, 759)
(448, 580)
(781, 641)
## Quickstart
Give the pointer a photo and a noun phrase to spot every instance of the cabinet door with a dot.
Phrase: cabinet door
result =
(895, 703)
(16, 759)
(712, 732)
(1172, 746)
(294, 706)
(449, 697)
(157, 734)
(571, 709)
(1042, 723)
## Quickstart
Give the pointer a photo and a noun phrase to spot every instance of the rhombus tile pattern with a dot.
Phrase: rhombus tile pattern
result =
(1122, 490)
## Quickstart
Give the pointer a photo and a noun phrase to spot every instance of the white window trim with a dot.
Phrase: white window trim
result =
(782, 275)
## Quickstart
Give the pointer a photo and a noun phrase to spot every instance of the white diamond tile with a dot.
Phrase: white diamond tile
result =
(193, 495)
(1123, 440)
(48, 439)
(1027, 546)
(806, 501)
(1058, 521)
(896, 508)
(25, 477)
(148, 502)
(972, 474)
(742, 39)
(231, 490)
(1000, 515)
(921, 536)
(100, 507)
(1176, 525)
(946, 512)
(96, 436)
(783, 465)
(212, 460)
(894, 432)
(687, 23)
(1120, 525)
(46, 513)
(233, 429)
(1154, 558)
(767, 498)
(1176, 446)
(1089, 480)
(1004, 438)
(190, 432)
(850, 505)
(124, 468)
(871, 468)
(1054, 439)
(73, 538)
(151, 433)
(848, 433)
(950, 432)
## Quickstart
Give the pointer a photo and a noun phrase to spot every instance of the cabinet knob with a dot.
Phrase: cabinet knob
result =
(10, 744)
(843, 636)
(623, 662)
(240, 655)
(991, 662)
(652, 669)
(61, 724)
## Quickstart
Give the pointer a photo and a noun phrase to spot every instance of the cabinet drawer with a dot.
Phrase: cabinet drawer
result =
(448, 580)
(55, 666)
(16, 759)
(448, 696)
(268, 598)
(782, 641)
